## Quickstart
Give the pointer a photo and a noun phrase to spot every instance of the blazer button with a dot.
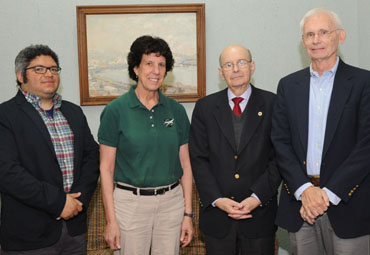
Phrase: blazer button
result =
(232, 198)
(237, 176)
(236, 157)
(304, 162)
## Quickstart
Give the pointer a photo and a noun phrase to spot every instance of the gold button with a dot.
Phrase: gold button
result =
(304, 162)
(237, 176)
(236, 157)
(260, 114)
(357, 186)
(232, 197)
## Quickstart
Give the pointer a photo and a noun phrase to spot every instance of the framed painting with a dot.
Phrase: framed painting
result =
(105, 34)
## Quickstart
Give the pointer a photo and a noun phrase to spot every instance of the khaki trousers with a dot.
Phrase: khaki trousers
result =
(149, 224)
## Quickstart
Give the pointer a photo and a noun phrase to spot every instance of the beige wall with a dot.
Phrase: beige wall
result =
(268, 27)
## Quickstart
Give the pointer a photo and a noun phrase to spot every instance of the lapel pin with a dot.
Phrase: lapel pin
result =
(260, 114)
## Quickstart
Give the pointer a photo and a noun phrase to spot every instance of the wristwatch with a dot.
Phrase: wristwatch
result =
(191, 215)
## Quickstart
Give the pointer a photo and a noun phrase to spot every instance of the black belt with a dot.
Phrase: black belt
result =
(148, 192)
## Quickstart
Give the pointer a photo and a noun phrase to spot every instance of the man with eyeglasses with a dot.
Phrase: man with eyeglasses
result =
(321, 134)
(49, 163)
(233, 161)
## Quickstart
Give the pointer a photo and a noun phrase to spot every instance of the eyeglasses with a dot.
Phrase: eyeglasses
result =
(43, 69)
(322, 34)
(241, 63)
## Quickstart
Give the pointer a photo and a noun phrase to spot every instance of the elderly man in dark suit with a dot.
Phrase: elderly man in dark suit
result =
(321, 134)
(234, 163)
(49, 163)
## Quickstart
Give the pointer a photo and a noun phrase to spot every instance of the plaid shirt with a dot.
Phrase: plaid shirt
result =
(61, 135)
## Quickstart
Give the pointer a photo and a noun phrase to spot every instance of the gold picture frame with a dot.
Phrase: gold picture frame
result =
(105, 34)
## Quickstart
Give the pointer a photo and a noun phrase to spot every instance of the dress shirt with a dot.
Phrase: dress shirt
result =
(319, 101)
(61, 135)
(246, 95)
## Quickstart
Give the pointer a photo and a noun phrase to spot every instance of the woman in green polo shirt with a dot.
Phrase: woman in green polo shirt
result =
(143, 139)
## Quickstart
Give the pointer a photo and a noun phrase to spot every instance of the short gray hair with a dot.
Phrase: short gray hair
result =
(316, 11)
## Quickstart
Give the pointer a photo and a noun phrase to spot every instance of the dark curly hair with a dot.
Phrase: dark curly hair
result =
(28, 54)
(146, 45)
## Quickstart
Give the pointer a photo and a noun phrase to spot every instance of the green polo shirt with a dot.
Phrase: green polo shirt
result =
(147, 141)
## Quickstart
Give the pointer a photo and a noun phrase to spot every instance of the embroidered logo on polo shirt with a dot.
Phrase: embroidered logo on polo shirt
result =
(169, 122)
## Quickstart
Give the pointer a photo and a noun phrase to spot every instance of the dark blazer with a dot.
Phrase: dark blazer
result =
(345, 168)
(31, 185)
(215, 161)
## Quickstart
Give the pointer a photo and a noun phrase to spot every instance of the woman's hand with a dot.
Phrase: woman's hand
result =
(187, 231)
(112, 236)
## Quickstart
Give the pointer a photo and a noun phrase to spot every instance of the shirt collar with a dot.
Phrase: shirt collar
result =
(245, 95)
(35, 100)
(331, 72)
(135, 102)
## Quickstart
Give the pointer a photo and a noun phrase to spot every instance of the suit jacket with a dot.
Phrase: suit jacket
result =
(345, 167)
(31, 184)
(215, 161)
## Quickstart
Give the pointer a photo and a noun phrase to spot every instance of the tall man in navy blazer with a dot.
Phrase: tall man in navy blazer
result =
(321, 134)
(49, 163)
(234, 163)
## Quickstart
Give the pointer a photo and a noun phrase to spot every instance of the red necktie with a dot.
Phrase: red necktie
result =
(236, 110)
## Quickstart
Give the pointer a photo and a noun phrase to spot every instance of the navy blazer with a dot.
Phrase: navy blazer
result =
(215, 160)
(31, 184)
(345, 167)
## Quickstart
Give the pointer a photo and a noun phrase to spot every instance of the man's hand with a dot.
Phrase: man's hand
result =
(187, 231)
(305, 216)
(315, 202)
(72, 206)
(248, 205)
(112, 236)
(229, 206)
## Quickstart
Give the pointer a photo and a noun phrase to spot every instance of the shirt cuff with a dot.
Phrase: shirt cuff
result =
(300, 190)
(214, 202)
(334, 199)
(256, 197)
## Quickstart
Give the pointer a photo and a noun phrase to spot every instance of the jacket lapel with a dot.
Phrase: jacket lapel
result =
(339, 95)
(36, 119)
(223, 117)
(254, 114)
(302, 97)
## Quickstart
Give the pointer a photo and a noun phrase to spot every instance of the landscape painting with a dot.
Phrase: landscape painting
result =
(108, 38)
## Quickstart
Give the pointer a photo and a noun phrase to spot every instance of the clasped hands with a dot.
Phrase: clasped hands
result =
(238, 211)
(315, 202)
(72, 206)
